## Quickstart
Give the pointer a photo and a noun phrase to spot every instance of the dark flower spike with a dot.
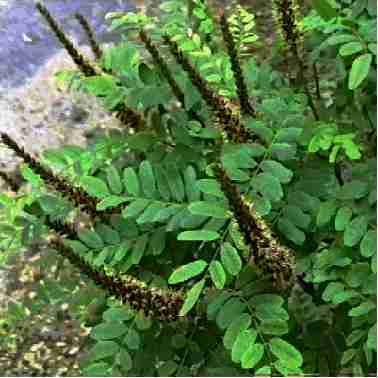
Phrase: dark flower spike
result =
(163, 67)
(227, 117)
(13, 185)
(77, 195)
(241, 86)
(129, 117)
(83, 64)
(286, 12)
(90, 34)
(153, 302)
(266, 251)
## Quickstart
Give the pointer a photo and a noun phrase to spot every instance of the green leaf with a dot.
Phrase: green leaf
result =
(185, 272)
(355, 230)
(286, 352)
(326, 211)
(146, 74)
(167, 369)
(291, 232)
(283, 151)
(252, 356)
(210, 186)
(192, 297)
(209, 209)
(162, 183)
(229, 311)
(135, 208)
(132, 339)
(368, 246)
(268, 185)
(359, 71)
(273, 300)
(278, 170)
(103, 349)
(175, 182)
(142, 322)
(217, 274)
(348, 355)
(343, 217)
(94, 186)
(125, 360)
(340, 38)
(108, 234)
(355, 336)
(200, 235)
(147, 178)
(372, 338)
(110, 202)
(108, 330)
(238, 325)
(274, 327)
(150, 212)
(350, 48)
(157, 241)
(139, 249)
(357, 274)
(99, 369)
(118, 314)
(243, 341)
(230, 259)
(296, 216)
(131, 181)
(265, 370)
(91, 239)
(114, 180)
(324, 9)
(355, 189)
(331, 290)
(269, 311)
(216, 304)
(363, 309)
(192, 191)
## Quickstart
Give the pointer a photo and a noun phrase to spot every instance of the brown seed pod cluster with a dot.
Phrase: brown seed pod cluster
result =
(241, 86)
(163, 67)
(154, 303)
(227, 116)
(95, 46)
(76, 195)
(266, 251)
(85, 67)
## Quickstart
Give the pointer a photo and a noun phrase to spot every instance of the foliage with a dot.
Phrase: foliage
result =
(204, 204)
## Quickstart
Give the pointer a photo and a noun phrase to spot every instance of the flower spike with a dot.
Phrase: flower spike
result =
(241, 86)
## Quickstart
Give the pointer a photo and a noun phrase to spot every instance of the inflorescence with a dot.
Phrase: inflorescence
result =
(125, 114)
(96, 49)
(81, 62)
(286, 13)
(226, 116)
(241, 86)
(163, 67)
(266, 251)
(77, 195)
(155, 303)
